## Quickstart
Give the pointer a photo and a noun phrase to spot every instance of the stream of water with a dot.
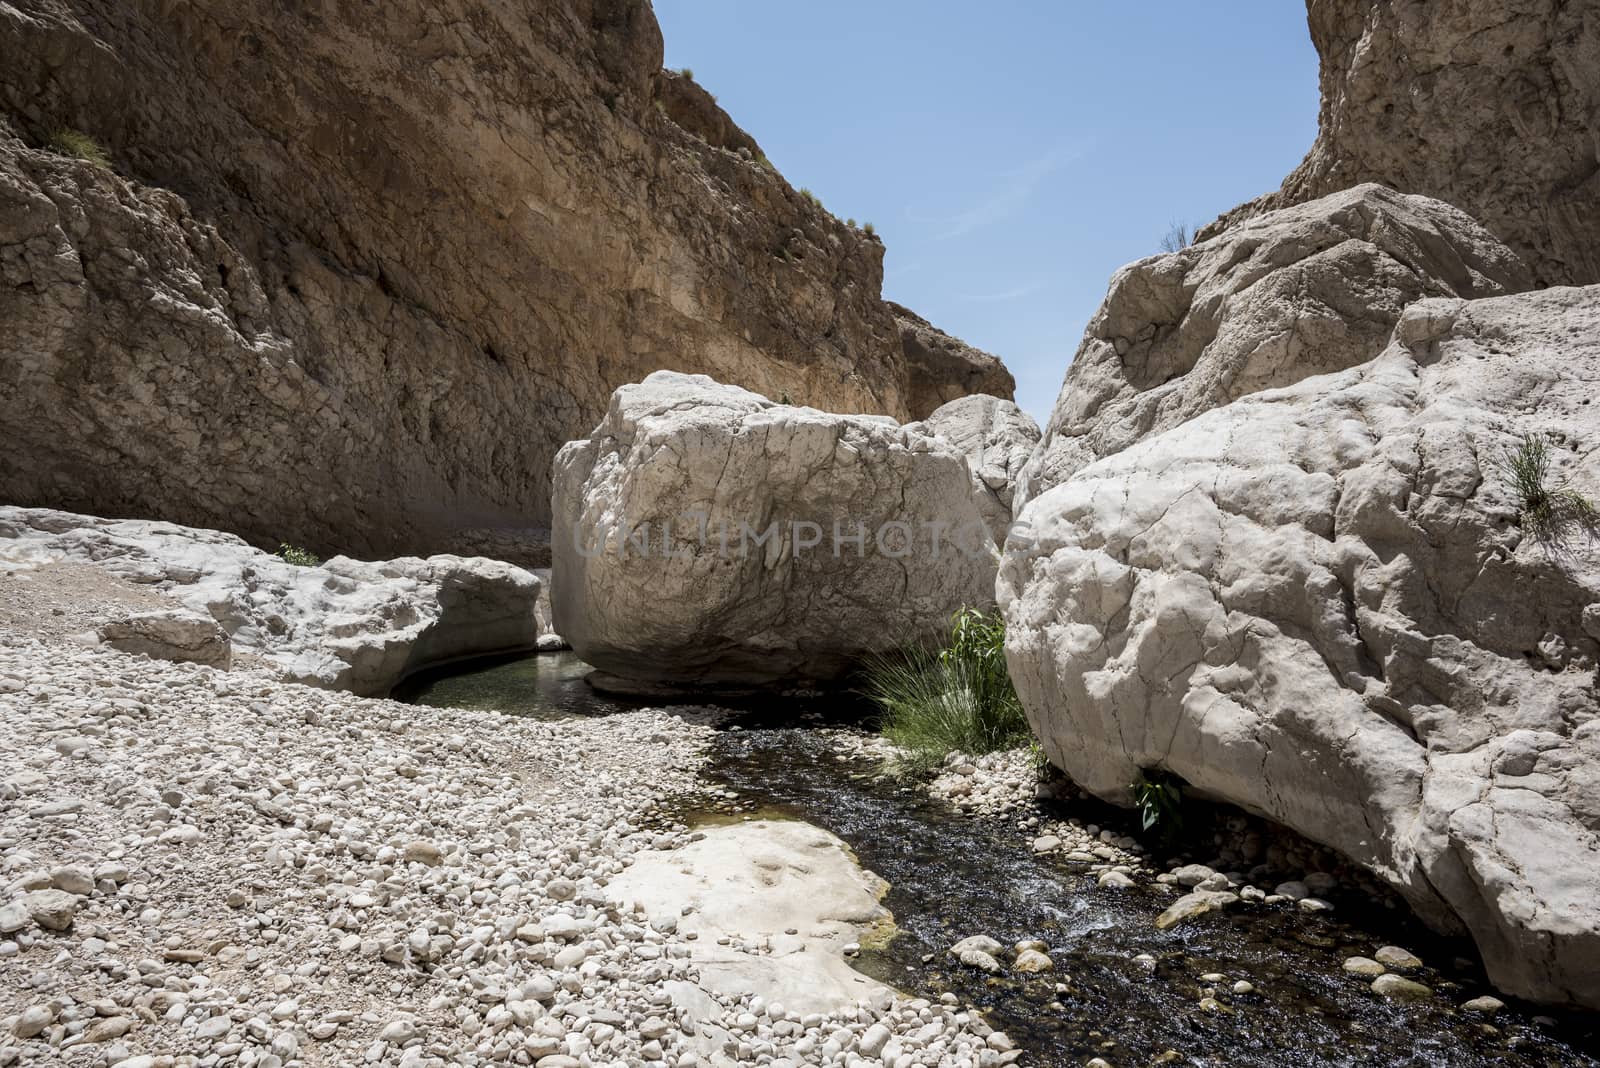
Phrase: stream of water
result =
(953, 876)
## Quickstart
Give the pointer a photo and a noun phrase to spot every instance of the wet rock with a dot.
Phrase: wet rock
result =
(1400, 960)
(1399, 988)
(1194, 904)
(1032, 962)
(1364, 966)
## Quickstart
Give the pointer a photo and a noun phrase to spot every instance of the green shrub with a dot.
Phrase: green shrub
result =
(685, 72)
(1546, 509)
(1160, 800)
(959, 698)
(79, 145)
(1179, 236)
(871, 231)
(809, 195)
(297, 556)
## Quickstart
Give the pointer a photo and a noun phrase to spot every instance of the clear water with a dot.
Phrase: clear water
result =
(544, 685)
(953, 876)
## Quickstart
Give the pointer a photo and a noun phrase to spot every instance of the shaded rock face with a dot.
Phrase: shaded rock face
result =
(706, 537)
(1491, 105)
(1319, 603)
(376, 268)
(1313, 288)
(692, 107)
(345, 625)
(941, 368)
(997, 438)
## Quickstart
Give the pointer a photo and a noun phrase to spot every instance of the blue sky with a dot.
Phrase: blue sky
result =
(1012, 154)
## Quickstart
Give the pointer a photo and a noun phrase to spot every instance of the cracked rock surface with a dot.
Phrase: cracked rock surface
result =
(343, 624)
(1490, 105)
(997, 438)
(780, 600)
(1321, 603)
(1313, 288)
(352, 279)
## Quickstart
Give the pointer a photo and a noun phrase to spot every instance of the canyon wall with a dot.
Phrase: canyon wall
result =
(349, 276)
(1489, 105)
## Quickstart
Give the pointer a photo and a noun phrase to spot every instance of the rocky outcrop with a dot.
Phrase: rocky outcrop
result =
(1491, 105)
(1313, 288)
(706, 537)
(688, 103)
(941, 368)
(344, 624)
(1323, 603)
(997, 438)
(170, 634)
(350, 281)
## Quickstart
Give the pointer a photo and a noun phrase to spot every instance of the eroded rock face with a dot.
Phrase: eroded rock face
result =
(1313, 288)
(997, 438)
(941, 368)
(1319, 603)
(1491, 105)
(707, 537)
(355, 279)
(345, 624)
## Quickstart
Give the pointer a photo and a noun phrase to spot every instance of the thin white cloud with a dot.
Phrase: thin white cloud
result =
(1009, 195)
(1015, 293)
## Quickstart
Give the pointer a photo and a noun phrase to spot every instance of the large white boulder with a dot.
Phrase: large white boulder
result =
(344, 624)
(1320, 603)
(1281, 297)
(707, 537)
(997, 438)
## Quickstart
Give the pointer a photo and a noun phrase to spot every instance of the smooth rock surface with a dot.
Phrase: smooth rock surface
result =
(742, 888)
(344, 624)
(799, 541)
(1283, 296)
(1320, 603)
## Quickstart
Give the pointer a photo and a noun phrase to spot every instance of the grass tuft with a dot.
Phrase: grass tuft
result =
(297, 556)
(959, 698)
(79, 145)
(1546, 510)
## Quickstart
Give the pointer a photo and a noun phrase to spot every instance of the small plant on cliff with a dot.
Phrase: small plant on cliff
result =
(297, 556)
(1546, 510)
(956, 698)
(685, 72)
(1159, 798)
(1178, 237)
(809, 195)
(79, 145)
(869, 229)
